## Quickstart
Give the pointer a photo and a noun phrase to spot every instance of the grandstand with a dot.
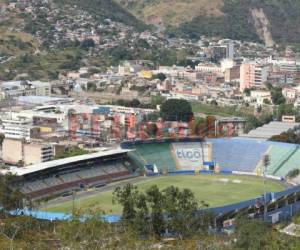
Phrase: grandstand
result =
(284, 159)
(232, 154)
(241, 154)
(74, 173)
(155, 153)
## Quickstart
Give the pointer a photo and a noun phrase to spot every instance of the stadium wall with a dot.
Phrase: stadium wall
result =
(130, 144)
(171, 154)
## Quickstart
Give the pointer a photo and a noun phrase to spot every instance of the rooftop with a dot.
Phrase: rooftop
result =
(50, 164)
(273, 128)
(43, 99)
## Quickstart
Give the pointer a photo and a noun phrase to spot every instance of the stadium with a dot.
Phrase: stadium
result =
(226, 173)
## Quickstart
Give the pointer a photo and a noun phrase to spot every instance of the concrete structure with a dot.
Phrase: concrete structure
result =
(232, 74)
(26, 88)
(21, 153)
(43, 100)
(44, 166)
(36, 153)
(290, 94)
(12, 151)
(289, 118)
(273, 128)
(229, 44)
(210, 68)
(17, 128)
(286, 64)
(252, 75)
(189, 96)
(230, 126)
(259, 97)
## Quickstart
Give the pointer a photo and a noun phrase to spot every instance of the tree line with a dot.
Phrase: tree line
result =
(156, 212)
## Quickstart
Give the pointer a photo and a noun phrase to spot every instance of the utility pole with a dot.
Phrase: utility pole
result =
(266, 163)
(73, 202)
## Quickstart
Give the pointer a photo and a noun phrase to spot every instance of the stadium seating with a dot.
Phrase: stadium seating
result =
(156, 153)
(233, 154)
(92, 175)
(241, 154)
(289, 161)
(238, 154)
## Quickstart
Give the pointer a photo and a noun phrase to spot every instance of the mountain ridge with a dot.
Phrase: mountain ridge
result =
(272, 20)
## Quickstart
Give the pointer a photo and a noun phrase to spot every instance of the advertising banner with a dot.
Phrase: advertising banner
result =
(190, 155)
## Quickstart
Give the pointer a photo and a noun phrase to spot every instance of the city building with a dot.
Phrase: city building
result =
(17, 128)
(252, 75)
(259, 97)
(36, 153)
(25, 88)
(25, 153)
(290, 94)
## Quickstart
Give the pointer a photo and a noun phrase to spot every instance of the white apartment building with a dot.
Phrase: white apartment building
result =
(17, 129)
(25, 88)
(285, 64)
(209, 68)
(184, 95)
(258, 97)
(290, 94)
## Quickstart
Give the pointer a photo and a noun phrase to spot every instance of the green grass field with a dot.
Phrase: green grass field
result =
(216, 190)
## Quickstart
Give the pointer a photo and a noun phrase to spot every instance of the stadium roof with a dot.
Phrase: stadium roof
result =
(273, 128)
(50, 164)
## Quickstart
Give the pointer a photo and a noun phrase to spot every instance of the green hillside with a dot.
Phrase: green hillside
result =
(236, 19)
(105, 9)
(40, 44)
(173, 12)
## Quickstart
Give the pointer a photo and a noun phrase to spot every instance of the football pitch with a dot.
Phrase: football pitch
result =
(216, 190)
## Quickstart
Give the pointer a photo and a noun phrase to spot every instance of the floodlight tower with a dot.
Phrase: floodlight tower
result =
(266, 163)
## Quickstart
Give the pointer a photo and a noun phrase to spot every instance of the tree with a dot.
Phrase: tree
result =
(71, 152)
(154, 211)
(152, 129)
(1, 139)
(91, 86)
(180, 207)
(87, 43)
(278, 98)
(127, 196)
(285, 109)
(135, 103)
(160, 76)
(176, 110)
(293, 173)
(11, 198)
(289, 137)
(142, 215)
(156, 202)
(247, 91)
